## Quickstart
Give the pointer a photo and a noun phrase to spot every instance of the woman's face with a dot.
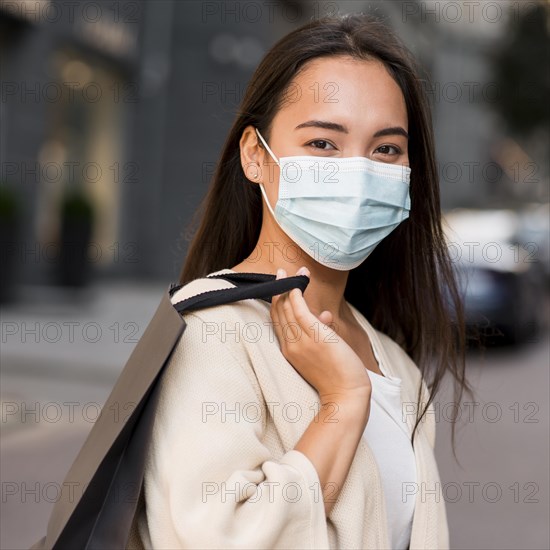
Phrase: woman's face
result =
(338, 107)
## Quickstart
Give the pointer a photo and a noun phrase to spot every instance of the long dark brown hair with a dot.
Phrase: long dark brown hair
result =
(406, 288)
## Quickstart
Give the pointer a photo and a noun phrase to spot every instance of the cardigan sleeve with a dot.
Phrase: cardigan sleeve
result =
(210, 481)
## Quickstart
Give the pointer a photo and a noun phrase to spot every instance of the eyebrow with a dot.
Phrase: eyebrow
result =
(391, 131)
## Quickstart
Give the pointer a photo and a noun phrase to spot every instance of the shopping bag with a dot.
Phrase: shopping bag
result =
(101, 493)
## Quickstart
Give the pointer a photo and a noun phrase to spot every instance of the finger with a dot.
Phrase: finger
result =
(292, 303)
(293, 329)
(275, 298)
(326, 317)
(279, 305)
(298, 306)
(275, 310)
(301, 314)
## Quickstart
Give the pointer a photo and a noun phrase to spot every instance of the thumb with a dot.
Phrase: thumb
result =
(326, 317)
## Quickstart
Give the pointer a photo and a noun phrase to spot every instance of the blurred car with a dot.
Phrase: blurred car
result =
(534, 235)
(500, 280)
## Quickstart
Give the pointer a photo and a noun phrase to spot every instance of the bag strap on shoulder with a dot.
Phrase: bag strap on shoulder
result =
(257, 286)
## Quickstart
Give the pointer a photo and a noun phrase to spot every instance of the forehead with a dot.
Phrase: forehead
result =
(344, 88)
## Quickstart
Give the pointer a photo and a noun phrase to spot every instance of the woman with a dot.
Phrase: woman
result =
(298, 424)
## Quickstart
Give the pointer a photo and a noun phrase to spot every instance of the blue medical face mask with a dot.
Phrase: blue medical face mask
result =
(337, 210)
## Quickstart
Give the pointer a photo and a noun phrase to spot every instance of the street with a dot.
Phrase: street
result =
(498, 496)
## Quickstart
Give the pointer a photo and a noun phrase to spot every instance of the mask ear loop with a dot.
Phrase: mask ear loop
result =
(261, 184)
(267, 146)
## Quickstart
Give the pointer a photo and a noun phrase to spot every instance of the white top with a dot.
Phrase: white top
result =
(388, 437)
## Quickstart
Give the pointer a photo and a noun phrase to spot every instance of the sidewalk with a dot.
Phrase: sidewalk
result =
(56, 344)
(83, 336)
(60, 355)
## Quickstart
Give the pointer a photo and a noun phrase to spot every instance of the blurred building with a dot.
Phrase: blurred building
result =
(124, 105)
(67, 83)
(113, 115)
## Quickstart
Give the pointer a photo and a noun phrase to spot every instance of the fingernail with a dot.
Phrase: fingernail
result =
(279, 273)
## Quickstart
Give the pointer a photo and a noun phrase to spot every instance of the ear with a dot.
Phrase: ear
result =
(252, 155)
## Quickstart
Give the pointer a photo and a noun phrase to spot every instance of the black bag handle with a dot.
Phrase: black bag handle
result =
(237, 277)
(259, 286)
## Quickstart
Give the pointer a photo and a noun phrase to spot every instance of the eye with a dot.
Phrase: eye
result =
(385, 150)
(321, 144)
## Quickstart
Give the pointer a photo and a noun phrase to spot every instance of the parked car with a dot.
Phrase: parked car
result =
(534, 235)
(501, 282)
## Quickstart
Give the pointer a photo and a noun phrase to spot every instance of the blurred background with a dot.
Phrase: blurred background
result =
(112, 115)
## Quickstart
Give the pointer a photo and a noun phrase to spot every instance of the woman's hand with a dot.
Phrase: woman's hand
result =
(319, 355)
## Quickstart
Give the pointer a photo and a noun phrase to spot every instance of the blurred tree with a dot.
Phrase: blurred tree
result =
(521, 71)
(10, 212)
(77, 219)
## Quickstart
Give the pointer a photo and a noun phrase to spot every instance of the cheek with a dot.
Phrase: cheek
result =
(273, 194)
(270, 175)
(269, 178)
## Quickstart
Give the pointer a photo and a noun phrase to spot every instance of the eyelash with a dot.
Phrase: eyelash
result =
(320, 141)
(397, 149)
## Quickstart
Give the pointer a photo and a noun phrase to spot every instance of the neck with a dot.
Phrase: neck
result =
(325, 291)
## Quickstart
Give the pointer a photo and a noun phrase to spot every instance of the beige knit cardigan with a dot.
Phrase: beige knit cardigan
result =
(222, 471)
